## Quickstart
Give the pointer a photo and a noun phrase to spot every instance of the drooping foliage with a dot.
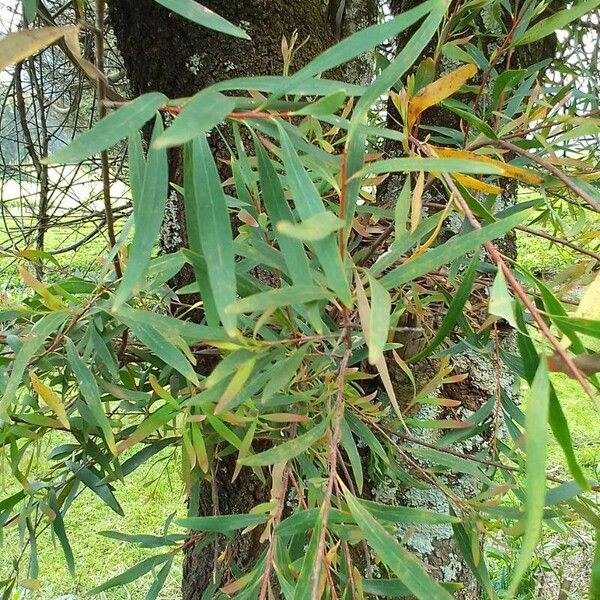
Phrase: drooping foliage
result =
(302, 283)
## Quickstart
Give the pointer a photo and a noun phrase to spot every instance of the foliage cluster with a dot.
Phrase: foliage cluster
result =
(304, 314)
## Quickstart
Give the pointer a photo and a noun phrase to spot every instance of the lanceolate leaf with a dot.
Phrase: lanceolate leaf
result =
(199, 116)
(354, 46)
(381, 306)
(110, 130)
(209, 228)
(58, 525)
(134, 573)
(92, 481)
(294, 294)
(308, 204)
(409, 570)
(149, 214)
(535, 473)
(279, 210)
(30, 9)
(196, 12)
(558, 20)
(287, 450)
(91, 394)
(454, 248)
(453, 313)
(221, 523)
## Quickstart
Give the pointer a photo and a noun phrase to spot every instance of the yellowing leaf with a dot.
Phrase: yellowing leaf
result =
(507, 170)
(20, 45)
(589, 308)
(439, 90)
(235, 385)
(51, 301)
(51, 398)
(474, 184)
(416, 205)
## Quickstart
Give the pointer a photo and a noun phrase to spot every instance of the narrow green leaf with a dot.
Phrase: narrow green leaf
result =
(163, 348)
(148, 426)
(349, 446)
(30, 10)
(314, 229)
(428, 165)
(381, 306)
(201, 114)
(353, 46)
(501, 303)
(283, 373)
(132, 574)
(311, 562)
(91, 394)
(278, 210)
(148, 215)
(405, 514)
(453, 248)
(58, 527)
(308, 204)
(595, 575)
(159, 582)
(92, 481)
(453, 313)
(328, 105)
(294, 294)
(558, 421)
(47, 325)
(199, 14)
(536, 422)
(137, 168)
(409, 54)
(478, 568)
(411, 51)
(209, 227)
(221, 523)
(409, 570)
(110, 130)
(558, 20)
(287, 450)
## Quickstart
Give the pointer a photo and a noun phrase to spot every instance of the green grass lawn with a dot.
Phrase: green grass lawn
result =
(148, 497)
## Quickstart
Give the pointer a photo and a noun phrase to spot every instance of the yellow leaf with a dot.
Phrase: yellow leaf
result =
(49, 300)
(474, 184)
(507, 170)
(416, 205)
(439, 90)
(51, 398)
(235, 385)
(589, 308)
(20, 45)
(433, 236)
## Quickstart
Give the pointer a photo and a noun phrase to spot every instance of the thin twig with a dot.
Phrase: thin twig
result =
(560, 241)
(569, 183)
(332, 458)
(101, 87)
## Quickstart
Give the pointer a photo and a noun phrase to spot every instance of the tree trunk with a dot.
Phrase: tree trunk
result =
(163, 52)
(486, 376)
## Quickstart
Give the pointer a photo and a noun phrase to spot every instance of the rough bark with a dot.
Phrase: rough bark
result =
(163, 52)
(485, 375)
